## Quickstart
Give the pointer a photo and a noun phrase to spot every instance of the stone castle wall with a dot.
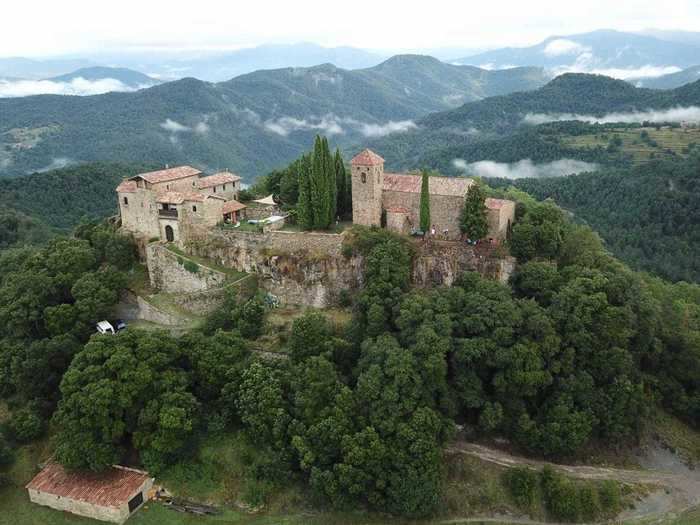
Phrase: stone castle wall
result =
(299, 268)
(445, 210)
(167, 272)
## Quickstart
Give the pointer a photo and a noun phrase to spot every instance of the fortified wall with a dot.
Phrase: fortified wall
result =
(310, 269)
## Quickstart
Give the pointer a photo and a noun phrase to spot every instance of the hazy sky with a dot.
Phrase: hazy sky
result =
(51, 27)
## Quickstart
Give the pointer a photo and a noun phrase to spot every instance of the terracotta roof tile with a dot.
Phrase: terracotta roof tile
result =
(217, 179)
(176, 197)
(127, 186)
(367, 157)
(451, 186)
(232, 205)
(166, 175)
(111, 488)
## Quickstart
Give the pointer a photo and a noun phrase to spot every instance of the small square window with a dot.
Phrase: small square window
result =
(194, 208)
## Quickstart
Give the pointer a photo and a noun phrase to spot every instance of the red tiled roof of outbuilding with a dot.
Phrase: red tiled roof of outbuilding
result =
(111, 488)
(232, 205)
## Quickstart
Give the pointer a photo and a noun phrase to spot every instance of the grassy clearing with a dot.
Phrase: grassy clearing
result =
(677, 436)
(641, 149)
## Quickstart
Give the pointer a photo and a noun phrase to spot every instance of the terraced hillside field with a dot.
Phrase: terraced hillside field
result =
(642, 144)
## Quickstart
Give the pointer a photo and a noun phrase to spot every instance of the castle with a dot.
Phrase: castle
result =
(164, 204)
(171, 203)
(375, 193)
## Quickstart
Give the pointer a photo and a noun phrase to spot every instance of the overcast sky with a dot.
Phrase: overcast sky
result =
(52, 27)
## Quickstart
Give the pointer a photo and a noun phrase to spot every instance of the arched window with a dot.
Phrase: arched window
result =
(126, 201)
(363, 177)
(169, 233)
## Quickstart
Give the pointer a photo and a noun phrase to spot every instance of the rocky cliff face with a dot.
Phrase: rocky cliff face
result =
(310, 269)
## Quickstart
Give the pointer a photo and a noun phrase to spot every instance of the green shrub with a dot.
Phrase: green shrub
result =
(26, 425)
(522, 484)
(589, 502)
(6, 453)
(610, 497)
(561, 496)
(191, 267)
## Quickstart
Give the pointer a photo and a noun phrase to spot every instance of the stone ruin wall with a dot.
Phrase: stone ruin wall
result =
(309, 269)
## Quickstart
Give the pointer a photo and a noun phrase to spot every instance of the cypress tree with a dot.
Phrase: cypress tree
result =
(340, 184)
(425, 201)
(474, 221)
(318, 187)
(304, 207)
(331, 198)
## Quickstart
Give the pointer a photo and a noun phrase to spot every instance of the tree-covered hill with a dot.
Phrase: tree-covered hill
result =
(249, 124)
(648, 215)
(61, 198)
(442, 135)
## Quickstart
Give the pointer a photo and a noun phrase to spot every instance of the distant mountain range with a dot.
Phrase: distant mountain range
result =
(92, 80)
(615, 53)
(497, 128)
(249, 124)
(128, 77)
(672, 80)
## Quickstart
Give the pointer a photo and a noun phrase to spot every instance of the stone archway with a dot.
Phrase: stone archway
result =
(169, 233)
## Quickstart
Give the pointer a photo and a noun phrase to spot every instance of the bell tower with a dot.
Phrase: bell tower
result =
(367, 175)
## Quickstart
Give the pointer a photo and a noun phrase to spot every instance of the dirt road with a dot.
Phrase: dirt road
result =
(679, 486)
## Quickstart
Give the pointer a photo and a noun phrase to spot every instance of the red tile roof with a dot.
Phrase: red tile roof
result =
(127, 186)
(166, 175)
(231, 206)
(217, 179)
(111, 488)
(367, 157)
(176, 197)
(451, 186)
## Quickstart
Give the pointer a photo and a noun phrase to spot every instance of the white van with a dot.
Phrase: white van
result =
(105, 327)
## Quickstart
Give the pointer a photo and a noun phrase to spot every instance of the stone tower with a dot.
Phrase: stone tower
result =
(367, 183)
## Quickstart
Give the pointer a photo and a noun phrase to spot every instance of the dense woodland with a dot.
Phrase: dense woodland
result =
(648, 214)
(573, 352)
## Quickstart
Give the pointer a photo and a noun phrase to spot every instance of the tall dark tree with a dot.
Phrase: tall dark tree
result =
(474, 221)
(305, 210)
(341, 184)
(330, 182)
(425, 201)
(318, 187)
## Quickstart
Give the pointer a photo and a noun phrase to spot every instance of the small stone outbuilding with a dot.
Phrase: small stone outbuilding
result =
(112, 496)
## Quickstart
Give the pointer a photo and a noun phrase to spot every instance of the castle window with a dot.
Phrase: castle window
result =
(167, 186)
(363, 178)
(194, 208)
(214, 189)
(224, 187)
(193, 183)
(126, 201)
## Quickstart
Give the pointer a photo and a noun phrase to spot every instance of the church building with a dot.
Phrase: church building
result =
(375, 193)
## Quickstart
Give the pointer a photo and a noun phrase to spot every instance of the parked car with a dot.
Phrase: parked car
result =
(120, 325)
(105, 327)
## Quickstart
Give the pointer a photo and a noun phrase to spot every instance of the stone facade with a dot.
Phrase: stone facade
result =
(168, 204)
(398, 195)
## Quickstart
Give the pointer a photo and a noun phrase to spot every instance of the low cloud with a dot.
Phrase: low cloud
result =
(78, 86)
(563, 46)
(647, 71)
(328, 125)
(56, 163)
(677, 114)
(523, 169)
(381, 130)
(333, 125)
(175, 127)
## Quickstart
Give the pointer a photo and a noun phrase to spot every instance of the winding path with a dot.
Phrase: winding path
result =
(679, 485)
